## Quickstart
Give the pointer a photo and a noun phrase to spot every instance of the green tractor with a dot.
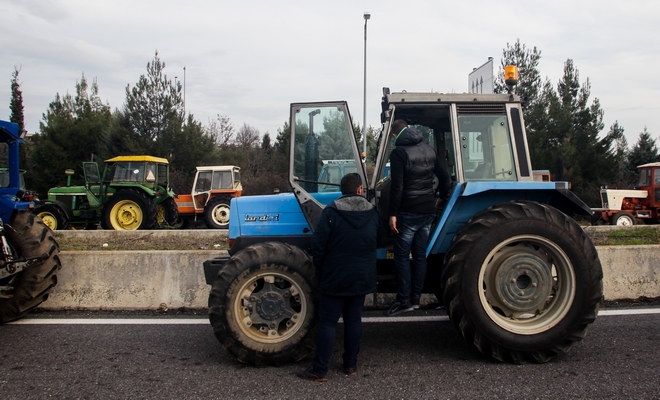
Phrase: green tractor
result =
(133, 193)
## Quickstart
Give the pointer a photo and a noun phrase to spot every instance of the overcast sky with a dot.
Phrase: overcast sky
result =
(249, 60)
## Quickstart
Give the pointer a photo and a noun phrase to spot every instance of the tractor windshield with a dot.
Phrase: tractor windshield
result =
(128, 172)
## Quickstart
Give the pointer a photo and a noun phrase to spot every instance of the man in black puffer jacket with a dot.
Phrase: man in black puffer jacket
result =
(344, 249)
(412, 208)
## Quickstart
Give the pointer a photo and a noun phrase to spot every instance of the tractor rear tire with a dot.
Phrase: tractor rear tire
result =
(28, 236)
(262, 306)
(522, 282)
(623, 218)
(216, 213)
(167, 212)
(54, 217)
(129, 210)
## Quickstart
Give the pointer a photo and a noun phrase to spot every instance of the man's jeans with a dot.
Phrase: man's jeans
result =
(412, 238)
(330, 309)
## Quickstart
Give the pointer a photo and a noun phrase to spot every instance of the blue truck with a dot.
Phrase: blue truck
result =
(29, 254)
(519, 278)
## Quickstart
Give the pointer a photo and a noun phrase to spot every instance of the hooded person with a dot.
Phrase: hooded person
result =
(412, 207)
(344, 253)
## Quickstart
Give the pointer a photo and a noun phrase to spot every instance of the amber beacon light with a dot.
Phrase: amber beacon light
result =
(511, 76)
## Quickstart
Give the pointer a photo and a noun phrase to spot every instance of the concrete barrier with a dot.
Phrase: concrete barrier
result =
(144, 280)
(630, 272)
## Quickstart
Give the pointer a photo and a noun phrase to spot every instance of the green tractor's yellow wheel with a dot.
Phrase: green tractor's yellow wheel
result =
(126, 215)
(129, 210)
(52, 216)
(167, 213)
(49, 219)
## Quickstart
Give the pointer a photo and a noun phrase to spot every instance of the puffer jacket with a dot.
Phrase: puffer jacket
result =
(344, 247)
(413, 164)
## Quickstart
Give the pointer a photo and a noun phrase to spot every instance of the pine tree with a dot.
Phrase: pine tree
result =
(154, 107)
(645, 151)
(72, 131)
(16, 103)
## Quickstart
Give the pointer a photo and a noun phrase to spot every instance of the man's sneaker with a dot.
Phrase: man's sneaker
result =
(399, 308)
(311, 375)
(415, 303)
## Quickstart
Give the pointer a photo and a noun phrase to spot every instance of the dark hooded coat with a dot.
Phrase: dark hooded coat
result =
(412, 166)
(344, 247)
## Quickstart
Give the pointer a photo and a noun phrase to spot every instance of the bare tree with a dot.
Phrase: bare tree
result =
(247, 136)
(221, 130)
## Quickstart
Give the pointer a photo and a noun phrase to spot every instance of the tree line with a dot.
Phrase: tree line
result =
(80, 127)
(563, 130)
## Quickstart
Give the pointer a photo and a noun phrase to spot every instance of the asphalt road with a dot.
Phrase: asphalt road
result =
(619, 358)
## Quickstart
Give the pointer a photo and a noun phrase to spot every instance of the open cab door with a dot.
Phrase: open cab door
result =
(321, 132)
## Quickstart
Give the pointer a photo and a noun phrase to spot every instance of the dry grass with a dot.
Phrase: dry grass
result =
(142, 242)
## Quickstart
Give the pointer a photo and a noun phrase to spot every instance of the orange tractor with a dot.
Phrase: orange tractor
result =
(213, 189)
(629, 207)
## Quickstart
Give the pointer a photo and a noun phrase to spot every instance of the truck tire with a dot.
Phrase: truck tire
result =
(52, 216)
(28, 236)
(262, 308)
(129, 210)
(167, 212)
(522, 282)
(216, 213)
(623, 218)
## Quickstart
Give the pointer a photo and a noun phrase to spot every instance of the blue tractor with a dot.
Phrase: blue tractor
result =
(29, 254)
(519, 278)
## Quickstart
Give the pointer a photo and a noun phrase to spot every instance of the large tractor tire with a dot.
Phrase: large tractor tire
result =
(167, 212)
(262, 308)
(54, 217)
(623, 218)
(216, 213)
(28, 237)
(522, 282)
(129, 210)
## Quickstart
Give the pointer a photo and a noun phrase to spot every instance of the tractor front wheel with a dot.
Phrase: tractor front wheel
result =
(54, 217)
(523, 282)
(216, 213)
(623, 218)
(29, 237)
(129, 210)
(261, 305)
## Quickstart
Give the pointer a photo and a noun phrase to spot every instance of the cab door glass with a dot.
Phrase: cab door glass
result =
(203, 183)
(321, 134)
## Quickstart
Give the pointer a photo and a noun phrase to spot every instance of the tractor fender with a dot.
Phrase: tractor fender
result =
(8, 205)
(63, 206)
(567, 202)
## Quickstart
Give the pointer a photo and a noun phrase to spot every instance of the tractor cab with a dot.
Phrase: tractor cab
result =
(649, 180)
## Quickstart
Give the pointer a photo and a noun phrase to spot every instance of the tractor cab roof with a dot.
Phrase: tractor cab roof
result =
(138, 159)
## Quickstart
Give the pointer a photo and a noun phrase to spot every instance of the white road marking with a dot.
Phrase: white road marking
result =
(629, 311)
(205, 321)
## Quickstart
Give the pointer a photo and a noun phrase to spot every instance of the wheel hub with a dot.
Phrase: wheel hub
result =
(271, 306)
(524, 282)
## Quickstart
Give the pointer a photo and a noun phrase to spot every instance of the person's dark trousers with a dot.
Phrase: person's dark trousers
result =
(330, 309)
(413, 237)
